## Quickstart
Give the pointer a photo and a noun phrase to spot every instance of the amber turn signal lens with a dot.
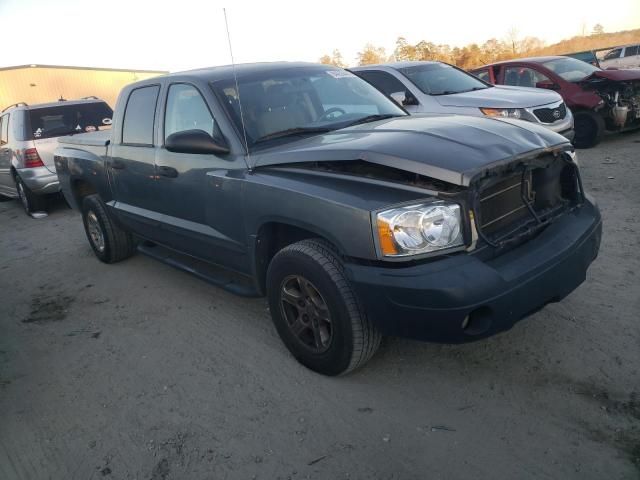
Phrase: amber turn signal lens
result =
(385, 235)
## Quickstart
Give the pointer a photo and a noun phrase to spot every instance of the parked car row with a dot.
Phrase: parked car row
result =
(436, 87)
(601, 100)
(306, 184)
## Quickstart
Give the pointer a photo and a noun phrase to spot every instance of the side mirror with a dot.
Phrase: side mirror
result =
(549, 85)
(194, 141)
(404, 98)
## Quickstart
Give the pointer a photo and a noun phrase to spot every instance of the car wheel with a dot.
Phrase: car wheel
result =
(30, 201)
(589, 127)
(109, 242)
(315, 311)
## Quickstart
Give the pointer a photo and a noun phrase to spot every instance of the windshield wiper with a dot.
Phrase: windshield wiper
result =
(291, 132)
(372, 118)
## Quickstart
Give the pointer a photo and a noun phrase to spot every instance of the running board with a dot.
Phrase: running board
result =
(215, 275)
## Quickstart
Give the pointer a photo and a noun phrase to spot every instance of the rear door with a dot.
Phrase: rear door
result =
(48, 123)
(189, 213)
(631, 57)
(6, 182)
(132, 163)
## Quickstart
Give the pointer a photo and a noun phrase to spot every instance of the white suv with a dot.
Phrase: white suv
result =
(28, 137)
(627, 56)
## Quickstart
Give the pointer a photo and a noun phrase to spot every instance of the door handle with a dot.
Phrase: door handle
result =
(118, 164)
(167, 172)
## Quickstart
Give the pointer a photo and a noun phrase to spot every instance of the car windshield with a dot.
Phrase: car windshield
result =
(442, 79)
(570, 69)
(66, 119)
(286, 104)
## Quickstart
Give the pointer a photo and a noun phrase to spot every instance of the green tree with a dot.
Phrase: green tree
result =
(598, 29)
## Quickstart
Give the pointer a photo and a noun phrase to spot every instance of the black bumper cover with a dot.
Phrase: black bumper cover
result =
(431, 301)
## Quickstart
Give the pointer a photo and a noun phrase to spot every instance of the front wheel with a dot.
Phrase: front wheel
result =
(589, 128)
(316, 312)
(109, 242)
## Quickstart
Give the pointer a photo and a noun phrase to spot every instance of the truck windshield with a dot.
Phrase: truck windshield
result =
(442, 79)
(66, 119)
(286, 104)
(570, 69)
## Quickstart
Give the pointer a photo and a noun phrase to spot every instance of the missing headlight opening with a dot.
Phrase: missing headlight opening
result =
(516, 204)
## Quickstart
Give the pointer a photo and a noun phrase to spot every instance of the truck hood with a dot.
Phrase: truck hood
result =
(450, 148)
(500, 97)
(615, 75)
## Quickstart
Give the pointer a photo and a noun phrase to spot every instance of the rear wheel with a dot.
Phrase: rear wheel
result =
(30, 201)
(589, 127)
(109, 242)
(315, 310)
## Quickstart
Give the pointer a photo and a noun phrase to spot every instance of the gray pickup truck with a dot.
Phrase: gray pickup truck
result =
(304, 183)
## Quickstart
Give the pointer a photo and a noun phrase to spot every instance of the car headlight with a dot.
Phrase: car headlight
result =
(517, 113)
(420, 228)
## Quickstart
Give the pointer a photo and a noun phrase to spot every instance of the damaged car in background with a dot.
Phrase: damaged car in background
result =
(601, 100)
(304, 183)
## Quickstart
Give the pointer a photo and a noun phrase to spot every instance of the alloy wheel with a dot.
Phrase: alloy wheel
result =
(306, 313)
(95, 232)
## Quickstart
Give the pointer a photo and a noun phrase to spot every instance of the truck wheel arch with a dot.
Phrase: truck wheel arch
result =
(272, 237)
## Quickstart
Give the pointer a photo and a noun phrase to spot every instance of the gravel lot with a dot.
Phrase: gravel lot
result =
(137, 370)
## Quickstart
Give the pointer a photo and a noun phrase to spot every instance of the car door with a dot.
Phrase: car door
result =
(612, 59)
(631, 57)
(191, 203)
(6, 181)
(132, 163)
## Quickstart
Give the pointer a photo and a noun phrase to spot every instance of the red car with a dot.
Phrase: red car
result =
(599, 99)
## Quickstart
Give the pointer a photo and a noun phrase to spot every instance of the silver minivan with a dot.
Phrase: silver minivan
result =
(436, 87)
(28, 137)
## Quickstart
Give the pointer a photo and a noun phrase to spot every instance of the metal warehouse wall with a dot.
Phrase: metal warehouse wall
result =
(44, 83)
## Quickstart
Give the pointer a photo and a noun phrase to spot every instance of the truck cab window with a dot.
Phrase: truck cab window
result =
(137, 125)
(187, 110)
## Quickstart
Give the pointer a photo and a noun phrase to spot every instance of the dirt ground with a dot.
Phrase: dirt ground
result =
(140, 371)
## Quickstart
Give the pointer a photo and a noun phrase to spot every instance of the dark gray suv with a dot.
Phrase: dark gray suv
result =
(29, 135)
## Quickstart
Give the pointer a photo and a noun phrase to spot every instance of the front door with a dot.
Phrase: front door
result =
(132, 163)
(189, 200)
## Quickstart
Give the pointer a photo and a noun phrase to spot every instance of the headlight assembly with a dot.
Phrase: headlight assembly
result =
(418, 229)
(517, 113)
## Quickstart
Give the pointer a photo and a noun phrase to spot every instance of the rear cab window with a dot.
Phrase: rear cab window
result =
(139, 116)
(67, 119)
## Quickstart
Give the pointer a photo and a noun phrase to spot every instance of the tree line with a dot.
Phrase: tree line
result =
(493, 50)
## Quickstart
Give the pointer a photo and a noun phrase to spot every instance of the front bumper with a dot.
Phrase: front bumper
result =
(461, 298)
(39, 180)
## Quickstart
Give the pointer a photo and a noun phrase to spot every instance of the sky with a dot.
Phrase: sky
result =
(178, 35)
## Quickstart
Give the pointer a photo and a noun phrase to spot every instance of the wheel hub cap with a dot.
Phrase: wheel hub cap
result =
(95, 232)
(306, 313)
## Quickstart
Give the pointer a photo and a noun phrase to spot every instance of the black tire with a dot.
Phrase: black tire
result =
(109, 242)
(30, 201)
(353, 339)
(589, 128)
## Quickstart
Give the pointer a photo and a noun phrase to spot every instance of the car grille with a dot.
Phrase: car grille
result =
(551, 115)
(518, 202)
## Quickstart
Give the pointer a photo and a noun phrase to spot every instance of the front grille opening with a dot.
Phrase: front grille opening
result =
(518, 205)
(551, 115)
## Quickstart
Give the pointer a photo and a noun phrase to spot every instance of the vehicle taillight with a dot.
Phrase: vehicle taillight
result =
(32, 159)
